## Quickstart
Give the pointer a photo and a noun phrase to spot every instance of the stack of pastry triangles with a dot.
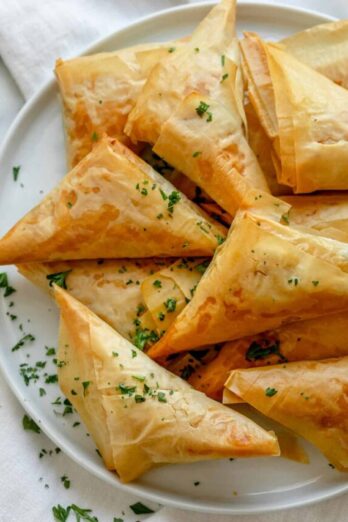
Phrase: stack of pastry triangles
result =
(154, 291)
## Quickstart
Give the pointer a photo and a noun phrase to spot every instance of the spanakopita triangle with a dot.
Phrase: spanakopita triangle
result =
(163, 419)
(309, 397)
(199, 65)
(308, 115)
(110, 288)
(111, 205)
(191, 110)
(308, 45)
(264, 276)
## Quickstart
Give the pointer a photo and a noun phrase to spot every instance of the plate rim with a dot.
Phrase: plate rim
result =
(111, 478)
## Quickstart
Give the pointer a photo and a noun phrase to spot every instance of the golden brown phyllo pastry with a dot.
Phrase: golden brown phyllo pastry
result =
(264, 276)
(191, 111)
(138, 413)
(303, 112)
(309, 397)
(324, 48)
(111, 205)
(99, 91)
(313, 339)
(111, 288)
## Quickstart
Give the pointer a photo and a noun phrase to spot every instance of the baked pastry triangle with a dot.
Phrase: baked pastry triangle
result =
(111, 205)
(138, 413)
(309, 397)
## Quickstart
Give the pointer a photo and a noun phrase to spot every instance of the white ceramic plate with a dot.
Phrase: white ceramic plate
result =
(36, 143)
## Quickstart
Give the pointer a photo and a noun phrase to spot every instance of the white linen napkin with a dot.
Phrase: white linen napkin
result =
(33, 33)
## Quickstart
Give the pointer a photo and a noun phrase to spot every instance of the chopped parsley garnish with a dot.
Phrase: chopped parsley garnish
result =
(126, 390)
(134, 353)
(140, 309)
(284, 219)
(224, 77)
(315, 283)
(26, 338)
(94, 136)
(196, 154)
(42, 392)
(293, 280)
(140, 509)
(85, 385)
(157, 283)
(269, 392)
(30, 425)
(15, 172)
(50, 350)
(220, 239)
(82, 514)
(51, 379)
(161, 396)
(170, 304)
(262, 349)
(4, 284)
(61, 514)
(201, 268)
(196, 49)
(59, 278)
(139, 378)
(66, 481)
(171, 49)
(223, 60)
(173, 199)
(139, 398)
(163, 194)
(161, 316)
(115, 354)
(202, 109)
(143, 336)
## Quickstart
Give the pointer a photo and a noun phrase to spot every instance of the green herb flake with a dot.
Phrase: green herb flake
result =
(262, 349)
(30, 425)
(173, 199)
(42, 392)
(224, 77)
(61, 514)
(59, 279)
(196, 154)
(66, 481)
(139, 378)
(284, 219)
(139, 398)
(94, 136)
(270, 392)
(134, 353)
(85, 385)
(140, 509)
(196, 49)
(25, 339)
(51, 379)
(170, 304)
(126, 390)
(15, 172)
(144, 336)
(161, 316)
(50, 350)
(163, 194)
(223, 60)
(161, 396)
(219, 239)
(171, 49)
(157, 283)
(115, 354)
(315, 283)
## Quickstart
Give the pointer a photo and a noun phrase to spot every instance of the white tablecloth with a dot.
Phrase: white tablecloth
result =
(32, 34)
